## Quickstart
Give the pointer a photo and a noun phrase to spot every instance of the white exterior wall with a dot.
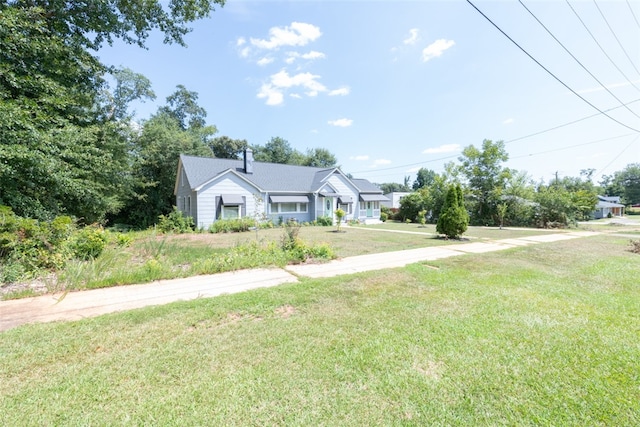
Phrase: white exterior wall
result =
(228, 184)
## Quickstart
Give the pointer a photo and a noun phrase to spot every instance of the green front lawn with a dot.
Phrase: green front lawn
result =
(539, 335)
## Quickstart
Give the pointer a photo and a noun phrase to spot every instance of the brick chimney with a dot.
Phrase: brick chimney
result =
(248, 161)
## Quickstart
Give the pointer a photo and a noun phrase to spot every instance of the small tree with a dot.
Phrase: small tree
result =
(422, 217)
(454, 219)
(502, 212)
(339, 215)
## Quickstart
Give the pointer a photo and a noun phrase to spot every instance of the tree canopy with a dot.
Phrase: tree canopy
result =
(66, 138)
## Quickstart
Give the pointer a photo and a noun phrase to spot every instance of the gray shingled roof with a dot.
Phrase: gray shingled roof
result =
(365, 186)
(266, 176)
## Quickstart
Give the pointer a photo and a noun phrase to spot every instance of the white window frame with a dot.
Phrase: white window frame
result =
(300, 208)
(237, 208)
(346, 207)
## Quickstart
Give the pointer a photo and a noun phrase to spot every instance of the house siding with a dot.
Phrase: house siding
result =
(208, 198)
(344, 188)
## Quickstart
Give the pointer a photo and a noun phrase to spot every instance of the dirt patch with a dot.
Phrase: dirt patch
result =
(39, 286)
(285, 311)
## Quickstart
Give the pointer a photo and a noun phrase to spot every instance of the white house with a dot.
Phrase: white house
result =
(394, 199)
(608, 205)
(208, 189)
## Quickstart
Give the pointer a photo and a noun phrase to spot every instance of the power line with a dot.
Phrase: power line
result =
(620, 154)
(506, 142)
(577, 60)
(600, 46)
(547, 70)
(572, 146)
(633, 14)
(565, 124)
(616, 37)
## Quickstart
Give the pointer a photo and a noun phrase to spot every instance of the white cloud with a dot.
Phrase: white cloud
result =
(245, 52)
(264, 61)
(342, 91)
(292, 56)
(281, 81)
(413, 37)
(343, 123)
(380, 162)
(241, 41)
(297, 34)
(436, 49)
(295, 95)
(446, 148)
(359, 158)
(508, 121)
(274, 95)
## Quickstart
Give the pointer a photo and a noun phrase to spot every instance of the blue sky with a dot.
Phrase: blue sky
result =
(390, 87)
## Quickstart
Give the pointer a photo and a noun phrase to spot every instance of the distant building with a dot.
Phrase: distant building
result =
(608, 206)
(394, 199)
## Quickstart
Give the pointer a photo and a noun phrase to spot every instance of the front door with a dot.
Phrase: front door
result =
(369, 210)
(328, 208)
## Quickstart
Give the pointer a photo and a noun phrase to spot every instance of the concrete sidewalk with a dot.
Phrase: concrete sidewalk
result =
(82, 304)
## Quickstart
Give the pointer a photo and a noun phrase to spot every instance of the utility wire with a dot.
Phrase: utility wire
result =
(547, 70)
(600, 46)
(616, 158)
(633, 14)
(566, 124)
(616, 37)
(577, 60)
(506, 142)
(573, 146)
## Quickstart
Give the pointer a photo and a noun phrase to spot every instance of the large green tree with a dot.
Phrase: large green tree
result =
(486, 179)
(225, 147)
(424, 178)
(64, 144)
(624, 183)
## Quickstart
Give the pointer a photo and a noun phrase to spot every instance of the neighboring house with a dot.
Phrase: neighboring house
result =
(394, 199)
(608, 205)
(208, 189)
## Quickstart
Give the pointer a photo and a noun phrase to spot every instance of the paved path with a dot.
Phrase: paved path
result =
(78, 305)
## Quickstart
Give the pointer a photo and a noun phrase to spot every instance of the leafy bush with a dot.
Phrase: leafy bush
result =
(325, 221)
(88, 243)
(384, 216)
(235, 225)
(175, 222)
(27, 245)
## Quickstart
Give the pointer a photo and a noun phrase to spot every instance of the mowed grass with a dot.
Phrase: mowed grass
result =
(542, 335)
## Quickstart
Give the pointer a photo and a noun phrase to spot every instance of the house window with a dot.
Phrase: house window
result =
(289, 207)
(230, 212)
(346, 208)
(188, 205)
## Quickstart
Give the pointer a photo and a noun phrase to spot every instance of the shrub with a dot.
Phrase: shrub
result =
(325, 221)
(454, 219)
(175, 222)
(88, 243)
(384, 216)
(235, 225)
(27, 245)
